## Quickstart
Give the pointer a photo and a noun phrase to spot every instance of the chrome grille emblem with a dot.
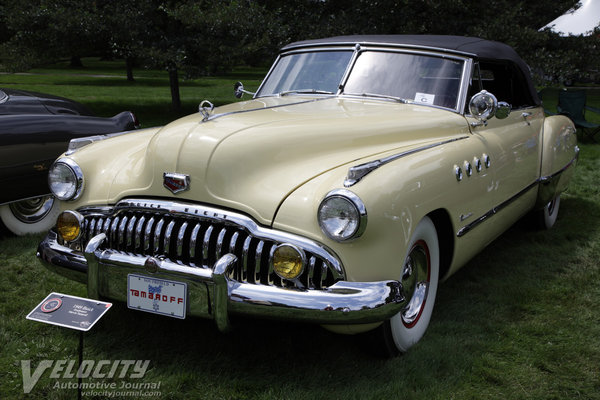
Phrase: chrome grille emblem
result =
(176, 182)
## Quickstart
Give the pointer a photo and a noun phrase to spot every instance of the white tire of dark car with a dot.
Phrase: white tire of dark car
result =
(420, 276)
(30, 216)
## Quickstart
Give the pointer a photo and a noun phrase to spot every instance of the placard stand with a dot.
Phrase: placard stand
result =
(70, 312)
(79, 378)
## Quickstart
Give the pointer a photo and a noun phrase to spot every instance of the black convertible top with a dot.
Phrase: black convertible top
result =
(470, 46)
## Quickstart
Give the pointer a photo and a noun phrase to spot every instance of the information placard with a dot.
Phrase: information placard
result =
(69, 311)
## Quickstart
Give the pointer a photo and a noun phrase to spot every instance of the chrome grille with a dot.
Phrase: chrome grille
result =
(199, 236)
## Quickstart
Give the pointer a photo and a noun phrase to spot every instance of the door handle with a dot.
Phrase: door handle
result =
(525, 115)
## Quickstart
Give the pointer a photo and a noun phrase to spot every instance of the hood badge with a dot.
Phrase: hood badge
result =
(176, 182)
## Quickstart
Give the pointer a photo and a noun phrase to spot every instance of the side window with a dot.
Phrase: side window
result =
(506, 82)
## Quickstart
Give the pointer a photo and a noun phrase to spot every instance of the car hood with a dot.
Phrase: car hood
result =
(250, 156)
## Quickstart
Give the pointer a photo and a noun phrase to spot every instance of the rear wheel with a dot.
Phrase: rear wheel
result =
(420, 275)
(546, 217)
(30, 216)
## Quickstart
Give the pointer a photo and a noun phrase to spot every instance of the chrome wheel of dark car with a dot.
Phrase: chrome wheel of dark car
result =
(30, 216)
(32, 210)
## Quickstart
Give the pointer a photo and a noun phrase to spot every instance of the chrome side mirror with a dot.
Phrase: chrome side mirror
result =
(503, 110)
(483, 106)
(238, 90)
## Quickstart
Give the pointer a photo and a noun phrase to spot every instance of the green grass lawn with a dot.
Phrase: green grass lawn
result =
(103, 87)
(520, 321)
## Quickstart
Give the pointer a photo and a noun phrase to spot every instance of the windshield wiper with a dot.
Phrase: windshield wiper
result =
(305, 91)
(381, 96)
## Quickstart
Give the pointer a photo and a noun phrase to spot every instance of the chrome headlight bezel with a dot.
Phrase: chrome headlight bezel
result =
(74, 177)
(355, 211)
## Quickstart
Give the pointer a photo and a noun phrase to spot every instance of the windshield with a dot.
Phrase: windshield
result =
(402, 76)
(320, 71)
(419, 78)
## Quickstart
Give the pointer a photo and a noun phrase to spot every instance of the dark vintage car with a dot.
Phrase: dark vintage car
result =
(35, 129)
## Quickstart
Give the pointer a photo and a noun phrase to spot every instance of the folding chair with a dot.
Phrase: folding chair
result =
(572, 103)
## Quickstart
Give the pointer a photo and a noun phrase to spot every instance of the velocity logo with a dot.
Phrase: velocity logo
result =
(66, 369)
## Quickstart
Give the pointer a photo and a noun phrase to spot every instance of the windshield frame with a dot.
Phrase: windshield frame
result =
(357, 50)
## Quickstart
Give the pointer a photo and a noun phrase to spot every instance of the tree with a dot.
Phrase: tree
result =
(131, 28)
(45, 30)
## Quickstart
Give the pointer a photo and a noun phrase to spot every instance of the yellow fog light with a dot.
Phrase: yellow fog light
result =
(288, 261)
(69, 225)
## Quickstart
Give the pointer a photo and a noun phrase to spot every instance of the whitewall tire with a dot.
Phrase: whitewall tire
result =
(30, 216)
(547, 216)
(419, 277)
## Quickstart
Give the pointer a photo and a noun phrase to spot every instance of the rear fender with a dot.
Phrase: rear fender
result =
(559, 156)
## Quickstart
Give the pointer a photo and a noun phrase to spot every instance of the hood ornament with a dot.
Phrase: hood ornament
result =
(176, 182)
(205, 108)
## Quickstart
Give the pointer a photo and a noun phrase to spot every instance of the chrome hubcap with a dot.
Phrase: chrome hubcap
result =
(415, 282)
(32, 210)
(551, 206)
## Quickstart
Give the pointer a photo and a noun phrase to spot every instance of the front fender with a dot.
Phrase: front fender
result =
(396, 196)
(111, 166)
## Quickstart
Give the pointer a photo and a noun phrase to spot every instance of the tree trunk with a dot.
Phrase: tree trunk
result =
(174, 82)
(129, 65)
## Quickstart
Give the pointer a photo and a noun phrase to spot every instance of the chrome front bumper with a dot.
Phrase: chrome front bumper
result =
(212, 294)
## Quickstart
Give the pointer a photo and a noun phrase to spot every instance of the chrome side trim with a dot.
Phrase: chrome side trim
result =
(549, 178)
(542, 180)
(356, 173)
(215, 116)
(288, 48)
(467, 228)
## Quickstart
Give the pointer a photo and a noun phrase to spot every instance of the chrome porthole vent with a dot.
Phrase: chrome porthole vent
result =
(477, 163)
(468, 168)
(458, 173)
(487, 161)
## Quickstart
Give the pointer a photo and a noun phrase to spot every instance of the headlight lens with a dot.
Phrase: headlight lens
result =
(342, 215)
(288, 261)
(69, 225)
(65, 179)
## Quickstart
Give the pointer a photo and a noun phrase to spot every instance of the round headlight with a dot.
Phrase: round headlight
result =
(288, 261)
(69, 224)
(342, 215)
(65, 179)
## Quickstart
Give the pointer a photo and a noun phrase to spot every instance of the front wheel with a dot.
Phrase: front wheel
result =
(30, 216)
(420, 275)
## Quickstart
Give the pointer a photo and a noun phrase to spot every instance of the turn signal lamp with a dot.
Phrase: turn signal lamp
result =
(288, 261)
(69, 225)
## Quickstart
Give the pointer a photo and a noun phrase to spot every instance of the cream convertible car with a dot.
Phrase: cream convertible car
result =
(363, 171)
